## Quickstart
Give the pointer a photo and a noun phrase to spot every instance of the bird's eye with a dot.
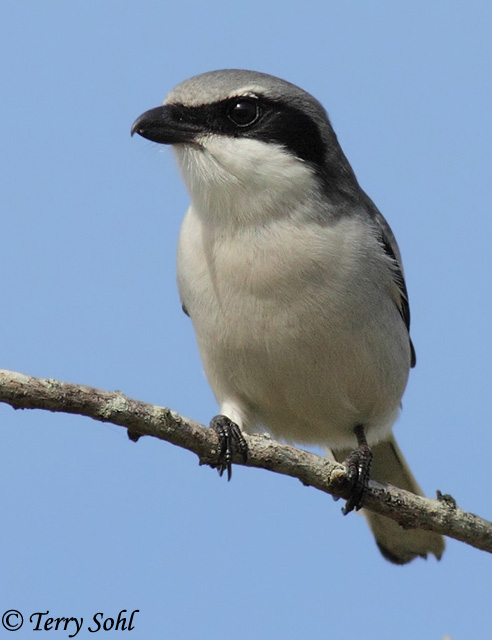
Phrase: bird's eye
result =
(244, 112)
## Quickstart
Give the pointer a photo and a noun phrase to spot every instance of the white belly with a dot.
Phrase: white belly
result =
(294, 334)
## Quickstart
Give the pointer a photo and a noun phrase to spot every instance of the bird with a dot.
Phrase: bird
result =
(293, 281)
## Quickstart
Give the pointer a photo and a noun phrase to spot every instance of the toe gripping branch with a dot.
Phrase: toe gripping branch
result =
(231, 441)
(358, 465)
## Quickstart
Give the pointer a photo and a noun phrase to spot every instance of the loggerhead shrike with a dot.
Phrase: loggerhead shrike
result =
(293, 281)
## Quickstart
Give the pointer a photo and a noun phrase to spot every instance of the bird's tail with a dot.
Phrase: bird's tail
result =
(397, 545)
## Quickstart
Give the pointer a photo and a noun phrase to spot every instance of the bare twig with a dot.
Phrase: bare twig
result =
(441, 516)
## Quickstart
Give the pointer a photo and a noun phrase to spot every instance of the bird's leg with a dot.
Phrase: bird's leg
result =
(230, 441)
(358, 465)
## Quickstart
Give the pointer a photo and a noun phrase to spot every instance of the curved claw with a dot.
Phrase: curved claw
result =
(358, 464)
(230, 441)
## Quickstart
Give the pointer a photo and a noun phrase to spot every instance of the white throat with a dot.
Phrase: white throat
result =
(240, 181)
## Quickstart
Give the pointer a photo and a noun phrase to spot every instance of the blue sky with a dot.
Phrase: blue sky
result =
(94, 523)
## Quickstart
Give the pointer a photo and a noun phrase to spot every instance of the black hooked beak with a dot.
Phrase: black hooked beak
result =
(164, 125)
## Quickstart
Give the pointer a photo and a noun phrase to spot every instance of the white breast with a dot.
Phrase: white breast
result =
(294, 319)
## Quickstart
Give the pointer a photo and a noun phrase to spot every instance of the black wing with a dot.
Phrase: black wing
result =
(390, 247)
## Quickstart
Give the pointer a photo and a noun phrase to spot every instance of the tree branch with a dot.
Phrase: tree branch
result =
(441, 516)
